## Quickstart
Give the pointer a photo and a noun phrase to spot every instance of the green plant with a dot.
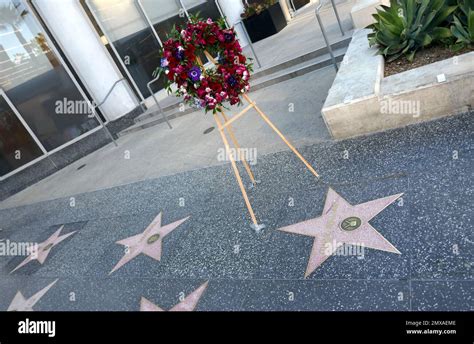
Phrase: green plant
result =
(256, 8)
(463, 25)
(409, 25)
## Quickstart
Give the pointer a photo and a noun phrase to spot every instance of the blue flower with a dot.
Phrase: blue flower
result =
(195, 74)
(179, 54)
(232, 81)
(228, 37)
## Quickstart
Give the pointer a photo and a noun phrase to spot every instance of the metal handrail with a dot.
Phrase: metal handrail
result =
(337, 16)
(156, 100)
(103, 102)
(323, 31)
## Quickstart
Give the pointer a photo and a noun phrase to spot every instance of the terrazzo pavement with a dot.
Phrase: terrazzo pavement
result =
(431, 225)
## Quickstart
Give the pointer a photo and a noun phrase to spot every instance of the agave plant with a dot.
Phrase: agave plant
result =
(409, 25)
(463, 25)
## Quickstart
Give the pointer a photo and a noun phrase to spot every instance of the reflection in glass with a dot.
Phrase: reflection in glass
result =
(166, 14)
(204, 8)
(17, 147)
(32, 77)
(133, 39)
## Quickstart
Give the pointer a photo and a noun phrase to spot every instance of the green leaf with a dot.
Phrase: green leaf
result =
(441, 33)
(411, 56)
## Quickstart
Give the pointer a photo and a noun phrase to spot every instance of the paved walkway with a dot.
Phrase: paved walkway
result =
(430, 225)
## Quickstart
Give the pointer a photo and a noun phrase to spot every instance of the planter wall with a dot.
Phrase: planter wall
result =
(362, 101)
(266, 24)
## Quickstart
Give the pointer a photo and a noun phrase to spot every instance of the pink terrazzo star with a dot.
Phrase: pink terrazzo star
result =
(20, 304)
(41, 252)
(187, 305)
(342, 223)
(149, 242)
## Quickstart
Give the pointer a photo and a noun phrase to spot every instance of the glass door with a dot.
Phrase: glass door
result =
(131, 37)
(202, 8)
(163, 15)
(36, 82)
(17, 146)
(135, 29)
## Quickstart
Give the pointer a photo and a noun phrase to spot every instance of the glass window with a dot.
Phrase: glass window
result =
(35, 81)
(164, 14)
(205, 9)
(17, 147)
(131, 36)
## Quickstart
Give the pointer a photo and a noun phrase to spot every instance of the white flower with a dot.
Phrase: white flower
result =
(208, 90)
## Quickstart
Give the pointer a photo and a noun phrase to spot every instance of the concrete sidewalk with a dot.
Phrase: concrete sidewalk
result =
(158, 151)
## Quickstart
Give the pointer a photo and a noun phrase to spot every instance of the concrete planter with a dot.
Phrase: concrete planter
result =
(265, 24)
(362, 101)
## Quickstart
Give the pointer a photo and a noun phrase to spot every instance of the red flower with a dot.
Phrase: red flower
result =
(214, 89)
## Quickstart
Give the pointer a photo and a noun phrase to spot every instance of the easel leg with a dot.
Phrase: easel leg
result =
(266, 119)
(236, 144)
(236, 171)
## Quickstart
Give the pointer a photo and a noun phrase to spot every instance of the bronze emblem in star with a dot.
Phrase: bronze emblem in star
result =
(41, 251)
(20, 304)
(187, 305)
(149, 242)
(343, 223)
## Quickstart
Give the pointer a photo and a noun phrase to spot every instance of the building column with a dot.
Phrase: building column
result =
(79, 41)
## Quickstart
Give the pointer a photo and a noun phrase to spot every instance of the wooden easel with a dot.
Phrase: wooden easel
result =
(226, 125)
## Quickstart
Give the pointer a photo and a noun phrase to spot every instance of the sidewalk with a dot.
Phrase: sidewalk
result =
(246, 271)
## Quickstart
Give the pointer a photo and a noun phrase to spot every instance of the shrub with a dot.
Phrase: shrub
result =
(256, 8)
(409, 25)
(463, 24)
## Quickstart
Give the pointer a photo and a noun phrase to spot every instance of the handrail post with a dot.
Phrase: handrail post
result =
(337, 16)
(103, 102)
(156, 100)
(323, 31)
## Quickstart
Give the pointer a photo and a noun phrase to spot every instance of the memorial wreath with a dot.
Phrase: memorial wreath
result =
(207, 88)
